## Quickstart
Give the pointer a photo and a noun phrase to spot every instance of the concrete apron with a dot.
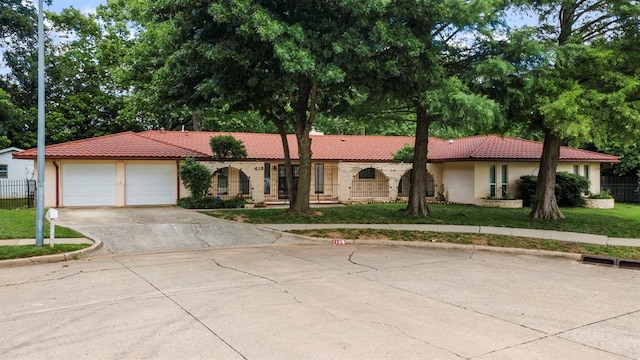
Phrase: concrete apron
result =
(154, 229)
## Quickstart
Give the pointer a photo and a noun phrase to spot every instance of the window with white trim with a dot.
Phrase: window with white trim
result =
(267, 178)
(492, 180)
(576, 169)
(504, 184)
(319, 179)
(4, 171)
(586, 171)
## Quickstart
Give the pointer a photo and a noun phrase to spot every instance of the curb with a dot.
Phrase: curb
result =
(73, 255)
(289, 238)
(490, 230)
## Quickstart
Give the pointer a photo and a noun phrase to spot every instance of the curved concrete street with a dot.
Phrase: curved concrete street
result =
(319, 302)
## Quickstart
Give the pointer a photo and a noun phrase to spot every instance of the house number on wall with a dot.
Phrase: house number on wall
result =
(258, 168)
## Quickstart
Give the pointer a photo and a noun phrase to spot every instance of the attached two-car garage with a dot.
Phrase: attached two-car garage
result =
(118, 184)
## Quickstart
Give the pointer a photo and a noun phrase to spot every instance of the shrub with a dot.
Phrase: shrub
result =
(606, 194)
(442, 193)
(569, 189)
(226, 147)
(196, 177)
(527, 189)
(211, 203)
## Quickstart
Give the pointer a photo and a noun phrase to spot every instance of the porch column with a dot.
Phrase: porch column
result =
(394, 173)
(346, 172)
(255, 172)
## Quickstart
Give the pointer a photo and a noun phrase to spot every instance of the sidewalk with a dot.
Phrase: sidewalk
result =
(491, 230)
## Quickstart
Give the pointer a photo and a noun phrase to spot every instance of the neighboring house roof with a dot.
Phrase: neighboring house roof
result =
(9, 149)
(160, 144)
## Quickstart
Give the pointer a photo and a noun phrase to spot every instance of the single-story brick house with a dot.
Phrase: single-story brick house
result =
(128, 169)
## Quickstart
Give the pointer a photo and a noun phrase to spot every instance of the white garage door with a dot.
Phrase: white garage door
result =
(89, 184)
(151, 184)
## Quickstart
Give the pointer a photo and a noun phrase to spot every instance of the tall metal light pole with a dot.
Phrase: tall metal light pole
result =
(40, 158)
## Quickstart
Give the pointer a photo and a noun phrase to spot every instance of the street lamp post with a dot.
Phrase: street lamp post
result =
(40, 158)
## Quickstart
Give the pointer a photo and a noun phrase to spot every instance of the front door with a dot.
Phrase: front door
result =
(282, 180)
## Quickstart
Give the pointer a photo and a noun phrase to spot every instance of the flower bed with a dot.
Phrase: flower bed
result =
(599, 203)
(501, 203)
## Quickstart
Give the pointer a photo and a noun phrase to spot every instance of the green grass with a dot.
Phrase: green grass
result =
(13, 203)
(475, 239)
(21, 224)
(23, 251)
(622, 221)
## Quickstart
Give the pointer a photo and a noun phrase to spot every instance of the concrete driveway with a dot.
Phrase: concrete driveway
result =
(319, 302)
(152, 229)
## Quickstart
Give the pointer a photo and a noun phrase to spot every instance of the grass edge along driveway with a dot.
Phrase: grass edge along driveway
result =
(21, 224)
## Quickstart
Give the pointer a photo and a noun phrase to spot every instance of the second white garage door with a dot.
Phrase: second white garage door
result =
(150, 184)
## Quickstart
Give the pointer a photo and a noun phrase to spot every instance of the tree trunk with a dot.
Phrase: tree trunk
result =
(302, 205)
(545, 205)
(417, 193)
(304, 106)
(279, 123)
(195, 116)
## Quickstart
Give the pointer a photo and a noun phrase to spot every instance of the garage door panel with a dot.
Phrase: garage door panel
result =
(89, 185)
(150, 184)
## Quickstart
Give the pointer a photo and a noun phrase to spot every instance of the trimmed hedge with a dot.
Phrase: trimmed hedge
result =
(196, 177)
(527, 189)
(211, 203)
(569, 189)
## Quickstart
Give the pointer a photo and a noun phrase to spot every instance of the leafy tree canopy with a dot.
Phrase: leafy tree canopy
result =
(573, 86)
(404, 155)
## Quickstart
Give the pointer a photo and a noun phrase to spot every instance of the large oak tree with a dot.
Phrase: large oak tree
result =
(582, 89)
(424, 52)
(285, 60)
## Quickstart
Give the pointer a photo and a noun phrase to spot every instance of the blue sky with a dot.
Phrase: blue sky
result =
(82, 5)
(85, 6)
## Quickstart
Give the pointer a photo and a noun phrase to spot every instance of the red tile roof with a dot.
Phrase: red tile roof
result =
(493, 147)
(269, 146)
(157, 144)
(126, 145)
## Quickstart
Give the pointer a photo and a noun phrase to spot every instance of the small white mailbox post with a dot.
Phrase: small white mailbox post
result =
(52, 215)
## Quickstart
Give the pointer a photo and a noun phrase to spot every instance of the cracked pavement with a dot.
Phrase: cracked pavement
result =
(319, 302)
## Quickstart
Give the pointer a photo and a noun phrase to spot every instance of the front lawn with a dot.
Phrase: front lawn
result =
(21, 224)
(622, 221)
(23, 251)
(625, 252)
